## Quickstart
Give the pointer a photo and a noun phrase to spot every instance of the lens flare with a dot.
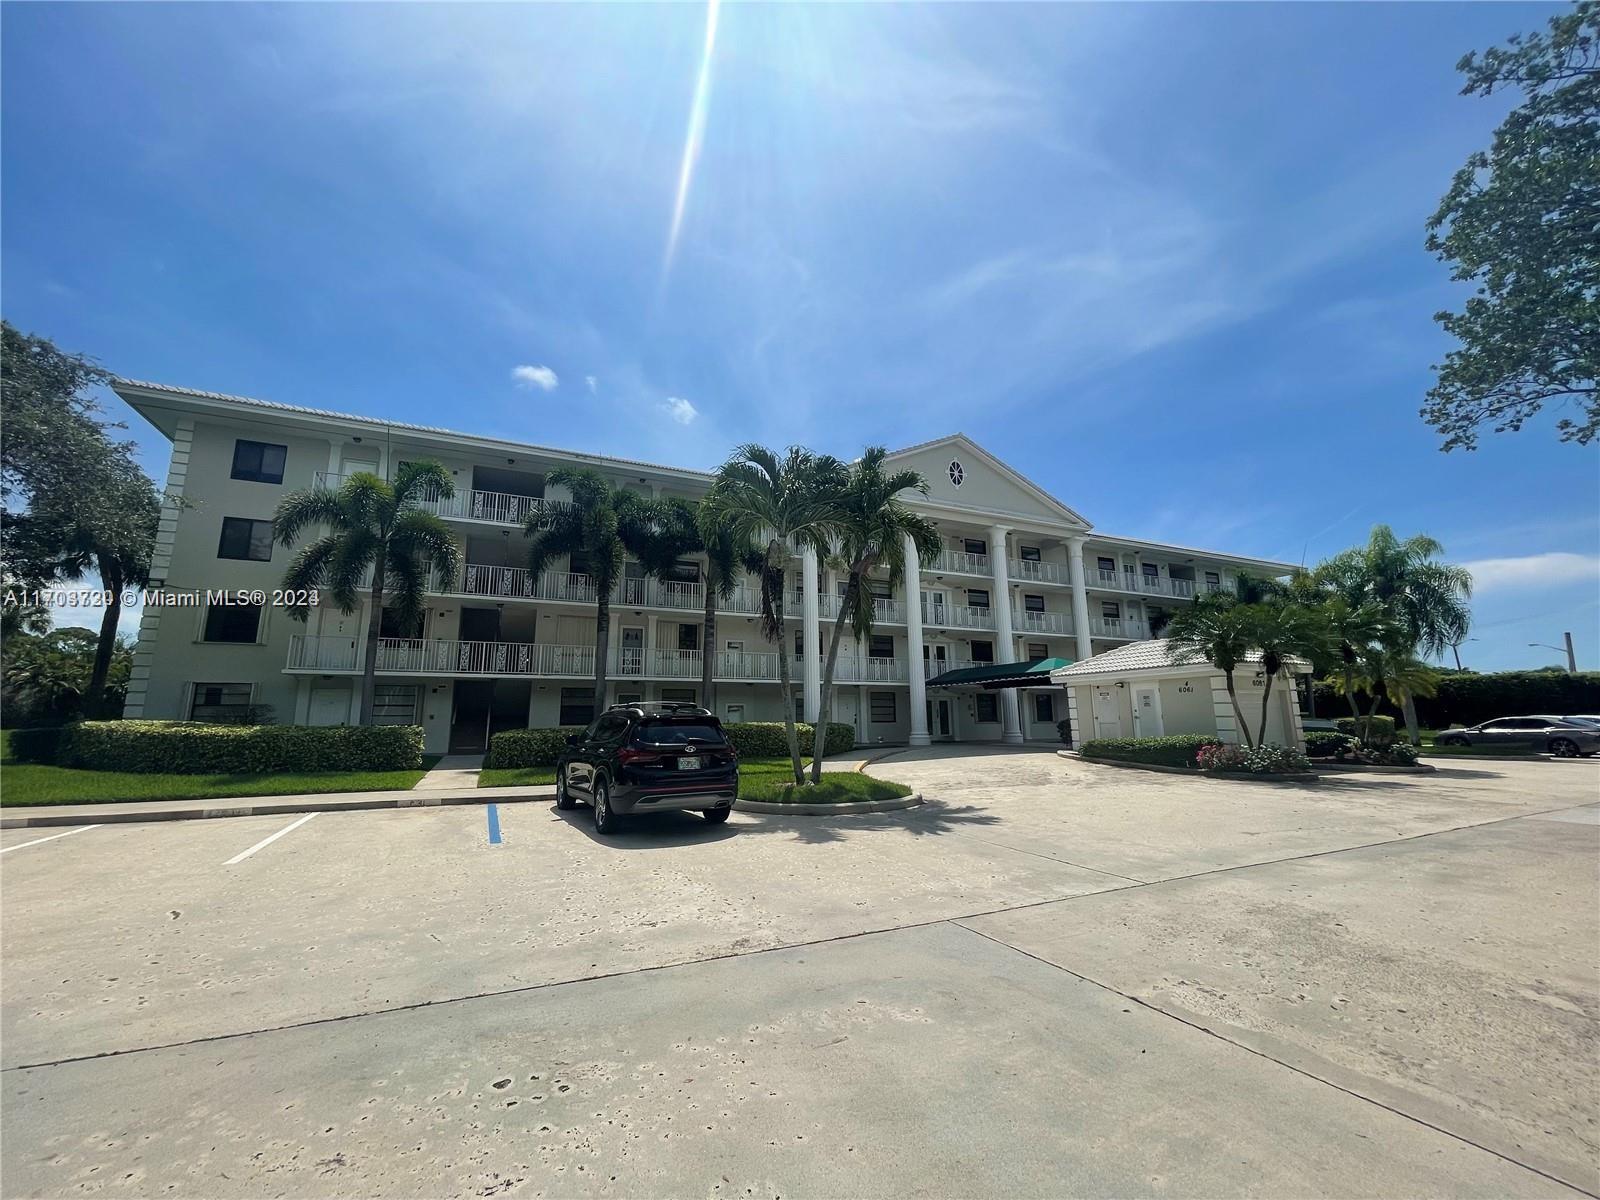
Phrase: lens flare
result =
(696, 135)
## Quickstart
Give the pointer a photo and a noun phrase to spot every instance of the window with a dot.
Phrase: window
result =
(880, 645)
(1110, 610)
(1107, 564)
(799, 643)
(1213, 581)
(1151, 571)
(1038, 650)
(957, 472)
(735, 713)
(799, 708)
(977, 598)
(675, 731)
(678, 695)
(610, 728)
(258, 462)
(688, 637)
(1033, 603)
(1044, 708)
(975, 545)
(1029, 553)
(578, 563)
(232, 623)
(685, 570)
(629, 697)
(983, 652)
(391, 626)
(395, 704)
(577, 706)
(220, 702)
(882, 708)
(880, 589)
(246, 539)
(988, 708)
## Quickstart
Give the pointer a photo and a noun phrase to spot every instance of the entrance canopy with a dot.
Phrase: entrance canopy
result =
(995, 676)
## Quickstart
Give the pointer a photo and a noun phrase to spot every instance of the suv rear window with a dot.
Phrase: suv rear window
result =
(677, 732)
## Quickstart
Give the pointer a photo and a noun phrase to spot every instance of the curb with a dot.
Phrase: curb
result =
(331, 804)
(819, 810)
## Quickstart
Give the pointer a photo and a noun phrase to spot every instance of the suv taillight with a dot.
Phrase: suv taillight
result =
(629, 755)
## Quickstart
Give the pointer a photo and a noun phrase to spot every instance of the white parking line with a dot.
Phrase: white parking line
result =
(267, 841)
(51, 838)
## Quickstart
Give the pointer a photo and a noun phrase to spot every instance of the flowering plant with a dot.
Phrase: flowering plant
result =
(1257, 760)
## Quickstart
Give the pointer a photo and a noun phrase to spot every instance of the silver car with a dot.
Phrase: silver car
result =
(1565, 737)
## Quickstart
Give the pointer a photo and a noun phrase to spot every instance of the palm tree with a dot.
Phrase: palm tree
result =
(783, 504)
(601, 525)
(1427, 599)
(1281, 628)
(372, 525)
(684, 530)
(1408, 677)
(1351, 628)
(874, 524)
(1218, 627)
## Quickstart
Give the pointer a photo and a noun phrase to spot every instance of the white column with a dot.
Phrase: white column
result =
(811, 642)
(919, 680)
(1010, 722)
(1080, 598)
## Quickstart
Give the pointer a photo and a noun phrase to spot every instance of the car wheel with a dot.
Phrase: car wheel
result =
(605, 821)
(1452, 741)
(1564, 747)
(716, 816)
(563, 797)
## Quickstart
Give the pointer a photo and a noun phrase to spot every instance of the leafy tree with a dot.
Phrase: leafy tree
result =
(874, 522)
(783, 504)
(1519, 222)
(1219, 627)
(48, 421)
(46, 675)
(376, 525)
(1426, 599)
(601, 525)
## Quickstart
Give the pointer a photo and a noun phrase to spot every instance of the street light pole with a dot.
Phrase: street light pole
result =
(1572, 659)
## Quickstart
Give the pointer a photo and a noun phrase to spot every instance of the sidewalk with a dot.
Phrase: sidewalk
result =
(34, 816)
(451, 772)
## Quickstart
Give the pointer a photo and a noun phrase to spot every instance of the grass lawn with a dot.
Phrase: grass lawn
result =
(767, 779)
(23, 784)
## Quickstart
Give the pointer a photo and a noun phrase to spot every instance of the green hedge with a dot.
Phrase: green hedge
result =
(1178, 750)
(1470, 698)
(194, 748)
(1380, 729)
(517, 748)
(37, 745)
(1321, 743)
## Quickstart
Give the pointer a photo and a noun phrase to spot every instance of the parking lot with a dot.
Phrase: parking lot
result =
(1052, 978)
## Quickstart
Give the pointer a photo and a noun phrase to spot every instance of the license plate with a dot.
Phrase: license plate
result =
(688, 764)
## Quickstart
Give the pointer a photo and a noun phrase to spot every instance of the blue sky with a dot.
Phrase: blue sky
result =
(1167, 261)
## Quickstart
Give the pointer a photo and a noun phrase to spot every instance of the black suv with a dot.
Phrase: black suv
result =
(649, 757)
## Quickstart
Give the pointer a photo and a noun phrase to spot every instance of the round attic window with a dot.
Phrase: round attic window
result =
(957, 473)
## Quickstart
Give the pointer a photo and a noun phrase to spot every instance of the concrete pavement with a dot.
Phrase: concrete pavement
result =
(1044, 981)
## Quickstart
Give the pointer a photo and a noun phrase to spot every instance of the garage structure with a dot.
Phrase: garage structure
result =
(1153, 689)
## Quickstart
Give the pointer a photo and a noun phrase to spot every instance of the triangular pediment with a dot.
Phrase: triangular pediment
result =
(962, 474)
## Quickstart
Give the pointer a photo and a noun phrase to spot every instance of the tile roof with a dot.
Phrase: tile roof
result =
(1150, 655)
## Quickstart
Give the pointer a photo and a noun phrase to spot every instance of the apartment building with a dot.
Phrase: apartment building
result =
(1020, 577)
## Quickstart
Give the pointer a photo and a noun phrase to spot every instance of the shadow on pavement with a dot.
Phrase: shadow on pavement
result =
(647, 831)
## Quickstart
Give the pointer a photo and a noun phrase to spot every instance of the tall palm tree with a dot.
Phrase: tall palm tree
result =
(1426, 598)
(874, 523)
(1280, 628)
(376, 525)
(783, 504)
(684, 530)
(602, 524)
(1218, 627)
(1351, 627)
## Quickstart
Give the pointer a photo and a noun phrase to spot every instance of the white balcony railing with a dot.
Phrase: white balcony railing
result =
(869, 670)
(321, 653)
(470, 504)
(1024, 621)
(1183, 589)
(961, 563)
(891, 612)
(1028, 570)
(794, 605)
(734, 664)
(957, 616)
(1116, 627)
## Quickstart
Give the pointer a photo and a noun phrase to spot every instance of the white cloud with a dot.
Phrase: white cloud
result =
(540, 377)
(680, 410)
(593, 384)
(1534, 570)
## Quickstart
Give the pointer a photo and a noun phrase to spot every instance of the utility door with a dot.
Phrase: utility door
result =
(1107, 713)
(1147, 711)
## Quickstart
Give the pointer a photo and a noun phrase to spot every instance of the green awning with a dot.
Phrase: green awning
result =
(1033, 673)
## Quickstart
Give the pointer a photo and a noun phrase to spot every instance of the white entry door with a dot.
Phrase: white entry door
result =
(933, 610)
(1147, 712)
(1107, 713)
(329, 707)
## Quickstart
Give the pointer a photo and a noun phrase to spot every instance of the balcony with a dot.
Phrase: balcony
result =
(794, 605)
(956, 616)
(959, 562)
(869, 670)
(1125, 628)
(499, 508)
(1028, 570)
(1025, 621)
(1144, 585)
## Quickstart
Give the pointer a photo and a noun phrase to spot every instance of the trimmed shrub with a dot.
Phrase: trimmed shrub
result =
(37, 745)
(1179, 750)
(528, 747)
(1400, 754)
(1380, 729)
(197, 748)
(1321, 743)
(1258, 760)
(751, 739)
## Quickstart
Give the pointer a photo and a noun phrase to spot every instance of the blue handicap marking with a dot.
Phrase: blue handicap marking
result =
(494, 824)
